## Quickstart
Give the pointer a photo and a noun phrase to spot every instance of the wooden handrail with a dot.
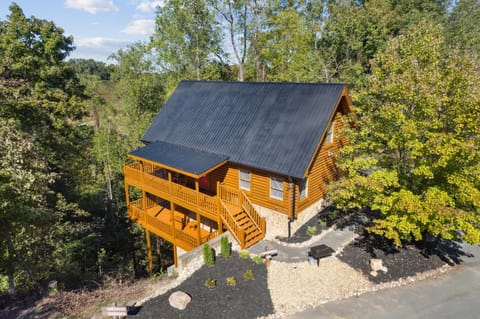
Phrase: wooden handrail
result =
(255, 217)
(232, 224)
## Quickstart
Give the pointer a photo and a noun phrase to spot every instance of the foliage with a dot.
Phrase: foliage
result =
(244, 254)
(231, 281)
(311, 230)
(186, 38)
(208, 257)
(257, 259)
(415, 155)
(225, 247)
(248, 275)
(210, 283)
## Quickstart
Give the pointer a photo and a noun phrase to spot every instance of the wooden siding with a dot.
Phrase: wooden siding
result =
(259, 192)
(323, 169)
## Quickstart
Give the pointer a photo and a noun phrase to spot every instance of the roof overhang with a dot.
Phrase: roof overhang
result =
(180, 159)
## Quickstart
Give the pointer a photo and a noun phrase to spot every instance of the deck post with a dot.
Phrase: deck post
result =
(219, 221)
(175, 261)
(172, 211)
(127, 195)
(149, 251)
(199, 233)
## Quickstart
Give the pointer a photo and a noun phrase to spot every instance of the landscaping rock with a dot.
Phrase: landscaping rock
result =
(179, 300)
(377, 265)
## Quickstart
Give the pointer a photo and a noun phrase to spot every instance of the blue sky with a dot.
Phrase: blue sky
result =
(99, 27)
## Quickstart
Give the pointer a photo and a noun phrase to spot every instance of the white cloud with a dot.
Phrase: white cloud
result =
(140, 26)
(97, 48)
(150, 5)
(92, 6)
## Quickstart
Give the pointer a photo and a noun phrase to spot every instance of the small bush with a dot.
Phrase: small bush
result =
(208, 257)
(257, 259)
(231, 281)
(322, 223)
(244, 254)
(248, 275)
(311, 230)
(225, 247)
(210, 283)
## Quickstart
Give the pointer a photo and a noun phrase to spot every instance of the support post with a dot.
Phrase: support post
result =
(219, 217)
(199, 233)
(175, 257)
(149, 251)
(127, 195)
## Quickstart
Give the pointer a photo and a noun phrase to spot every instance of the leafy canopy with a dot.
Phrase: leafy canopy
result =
(415, 154)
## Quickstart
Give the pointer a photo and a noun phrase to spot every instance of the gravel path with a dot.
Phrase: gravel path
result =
(298, 286)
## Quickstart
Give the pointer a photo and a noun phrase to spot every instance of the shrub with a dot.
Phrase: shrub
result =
(322, 223)
(208, 257)
(311, 230)
(248, 275)
(210, 283)
(244, 254)
(225, 247)
(257, 259)
(231, 281)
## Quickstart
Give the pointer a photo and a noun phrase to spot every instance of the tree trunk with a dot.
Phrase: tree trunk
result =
(11, 270)
(24, 266)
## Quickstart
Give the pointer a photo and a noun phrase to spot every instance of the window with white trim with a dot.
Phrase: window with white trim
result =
(303, 188)
(244, 179)
(276, 188)
(329, 137)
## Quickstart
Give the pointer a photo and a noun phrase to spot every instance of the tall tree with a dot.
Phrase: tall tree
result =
(186, 38)
(463, 26)
(415, 156)
(42, 101)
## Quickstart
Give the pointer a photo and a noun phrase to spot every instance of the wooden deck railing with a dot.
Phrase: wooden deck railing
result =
(184, 195)
(232, 224)
(247, 206)
(210, 206)
(229, 195)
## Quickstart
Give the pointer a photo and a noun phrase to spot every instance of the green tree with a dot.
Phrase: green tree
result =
(414, 152)
(186, 38)
(463, 26)
(288, 47)
(41, 141)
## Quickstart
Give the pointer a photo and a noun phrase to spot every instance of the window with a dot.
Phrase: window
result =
(276, 188)
(329, 137)
(244, 179)
(303, 188)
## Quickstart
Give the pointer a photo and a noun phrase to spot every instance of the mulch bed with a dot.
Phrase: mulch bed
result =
(247, 299)
(400, 262)
(322, 221)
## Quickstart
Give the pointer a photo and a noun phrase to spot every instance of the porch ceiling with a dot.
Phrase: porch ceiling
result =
(179, 158)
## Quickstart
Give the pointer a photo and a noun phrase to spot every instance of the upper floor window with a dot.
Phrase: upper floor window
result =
(329, 137)
(276, 188)
(244, 179)
(303, 188)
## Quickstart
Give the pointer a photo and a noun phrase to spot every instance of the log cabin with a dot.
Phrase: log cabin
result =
(251, 158)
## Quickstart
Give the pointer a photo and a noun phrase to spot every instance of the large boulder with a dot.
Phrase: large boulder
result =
(179, 300)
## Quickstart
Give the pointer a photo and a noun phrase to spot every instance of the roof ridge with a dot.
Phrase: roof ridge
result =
(264, 82)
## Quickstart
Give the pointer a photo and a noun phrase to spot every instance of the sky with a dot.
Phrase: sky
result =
(99, 27)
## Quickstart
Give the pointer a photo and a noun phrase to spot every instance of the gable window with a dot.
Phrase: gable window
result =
(244, 179)
(303, 188)
(329, 137)
(276, 188)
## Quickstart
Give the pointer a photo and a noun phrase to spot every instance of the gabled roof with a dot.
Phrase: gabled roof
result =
(271, 126)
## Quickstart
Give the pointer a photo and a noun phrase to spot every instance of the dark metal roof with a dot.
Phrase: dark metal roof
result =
(271, 126)
(179, 157)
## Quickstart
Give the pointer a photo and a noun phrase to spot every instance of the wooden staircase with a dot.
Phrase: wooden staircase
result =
(241, 218)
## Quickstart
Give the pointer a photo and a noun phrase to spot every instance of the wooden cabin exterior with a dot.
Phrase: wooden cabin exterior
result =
(219, 150)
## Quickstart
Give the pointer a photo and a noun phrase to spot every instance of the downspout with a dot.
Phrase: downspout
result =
(292, 186)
